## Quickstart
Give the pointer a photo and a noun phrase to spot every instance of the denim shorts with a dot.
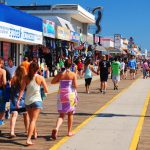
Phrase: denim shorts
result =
(2, 101)
(37, 104)
(2, 106)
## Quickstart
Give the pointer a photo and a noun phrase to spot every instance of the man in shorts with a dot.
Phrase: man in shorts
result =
(104, 68)
(132, 66)
(115, 66)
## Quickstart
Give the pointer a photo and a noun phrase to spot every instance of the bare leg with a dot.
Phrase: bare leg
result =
(70, 122)
(26, 121)
(133, 75)
(33, 115)
(114, 85)
(35, 133)
(60, 121)
(13, 123)
(105, 86)
(101, 87)
(2, 115)
(88, 88)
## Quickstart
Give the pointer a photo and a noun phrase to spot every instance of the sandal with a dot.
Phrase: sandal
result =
(54, 134)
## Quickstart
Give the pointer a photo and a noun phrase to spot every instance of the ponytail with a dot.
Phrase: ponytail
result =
(33, 68)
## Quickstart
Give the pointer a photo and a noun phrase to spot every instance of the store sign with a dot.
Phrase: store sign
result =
(19, 34)
(117, 41)
(48, 28)
(75, 37)
(63, 33)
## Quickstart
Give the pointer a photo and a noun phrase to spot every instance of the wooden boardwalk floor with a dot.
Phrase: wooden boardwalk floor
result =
(144, 141)
(88, 104)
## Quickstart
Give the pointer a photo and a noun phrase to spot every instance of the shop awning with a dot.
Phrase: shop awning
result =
(17, 17)
(115, 51)
(17, 26)
(100, 48)
(61, 22)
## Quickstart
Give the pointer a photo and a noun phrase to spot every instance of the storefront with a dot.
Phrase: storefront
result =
(75, 37)
(17, 29)
(49, 45)
(62, 42)
(75, 41)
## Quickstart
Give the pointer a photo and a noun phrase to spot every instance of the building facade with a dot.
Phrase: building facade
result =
(16, 30)
(77, 16)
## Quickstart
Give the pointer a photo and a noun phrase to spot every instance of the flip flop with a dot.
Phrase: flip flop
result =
(54, 134)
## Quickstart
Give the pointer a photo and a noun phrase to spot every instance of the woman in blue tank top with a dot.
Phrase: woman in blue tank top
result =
(88, 69)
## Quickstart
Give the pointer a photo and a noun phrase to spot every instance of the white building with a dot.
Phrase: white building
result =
(73, 13)
(107, 42)
(124, 44)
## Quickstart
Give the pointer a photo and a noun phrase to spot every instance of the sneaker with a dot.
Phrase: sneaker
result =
(1, 122)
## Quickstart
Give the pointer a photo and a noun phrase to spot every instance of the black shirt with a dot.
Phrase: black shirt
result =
(104, 65)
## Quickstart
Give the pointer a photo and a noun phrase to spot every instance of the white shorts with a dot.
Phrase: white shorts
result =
(116, 77)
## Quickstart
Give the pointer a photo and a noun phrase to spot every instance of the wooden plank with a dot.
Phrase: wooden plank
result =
(88, 104)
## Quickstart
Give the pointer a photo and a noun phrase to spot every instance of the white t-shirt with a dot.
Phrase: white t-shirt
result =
(11, 70)
(122, 65)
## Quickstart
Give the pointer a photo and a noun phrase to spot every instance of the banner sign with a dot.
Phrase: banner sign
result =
(48, 28)
(20, 34)
(117, 41)
(75, 37)
(63, 33)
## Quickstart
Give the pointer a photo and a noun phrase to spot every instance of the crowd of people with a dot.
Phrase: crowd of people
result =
(23, 94)
(21, 87)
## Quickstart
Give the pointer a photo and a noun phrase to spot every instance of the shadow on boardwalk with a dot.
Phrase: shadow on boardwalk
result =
(88, 105)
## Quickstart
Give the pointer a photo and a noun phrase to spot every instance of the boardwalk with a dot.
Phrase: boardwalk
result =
(117, 126)
(88, 104)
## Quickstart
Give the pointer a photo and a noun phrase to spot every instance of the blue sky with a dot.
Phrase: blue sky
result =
(126, 17)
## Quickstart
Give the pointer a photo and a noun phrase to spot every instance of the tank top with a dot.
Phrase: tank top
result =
(88, 73)
(33, 92)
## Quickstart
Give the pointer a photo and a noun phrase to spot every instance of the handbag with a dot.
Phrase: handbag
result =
(43, 95)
